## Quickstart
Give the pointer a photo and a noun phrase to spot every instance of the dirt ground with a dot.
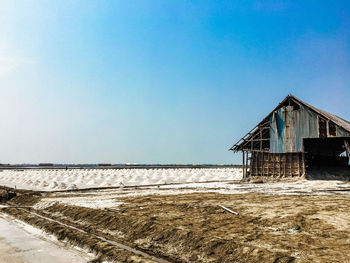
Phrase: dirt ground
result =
(193, 228)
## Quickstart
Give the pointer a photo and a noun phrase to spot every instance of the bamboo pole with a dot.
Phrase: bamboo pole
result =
(243, 165)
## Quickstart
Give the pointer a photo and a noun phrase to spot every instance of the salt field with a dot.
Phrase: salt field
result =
(20, 242)
(112, 198)
(58, 179)
(164, 211)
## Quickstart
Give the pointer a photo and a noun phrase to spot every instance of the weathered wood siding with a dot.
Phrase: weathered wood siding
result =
(277, 164)
(289, 126)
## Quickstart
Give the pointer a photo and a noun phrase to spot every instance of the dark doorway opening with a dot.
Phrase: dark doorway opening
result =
(326, 151)
(327, 158)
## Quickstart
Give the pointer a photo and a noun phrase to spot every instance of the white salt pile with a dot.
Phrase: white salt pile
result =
(87, 178)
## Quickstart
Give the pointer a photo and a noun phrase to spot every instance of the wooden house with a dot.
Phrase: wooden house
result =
(292, 138)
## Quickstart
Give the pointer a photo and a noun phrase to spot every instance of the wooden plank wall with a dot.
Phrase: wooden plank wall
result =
(277, 164)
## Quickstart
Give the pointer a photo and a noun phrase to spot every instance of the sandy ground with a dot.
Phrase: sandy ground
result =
(22, 243)
(296, 221)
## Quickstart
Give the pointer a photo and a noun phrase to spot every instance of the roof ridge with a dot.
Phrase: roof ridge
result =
(336, 119)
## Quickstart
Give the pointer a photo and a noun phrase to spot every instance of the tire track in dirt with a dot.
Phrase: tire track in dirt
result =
(117, 244)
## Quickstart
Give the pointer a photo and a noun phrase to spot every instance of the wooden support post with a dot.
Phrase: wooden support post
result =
(243, 163)
(303, 163)
(262, 163)
(247, 164)
(347, 147)
(291, 164)
(279, 164)
(251, 170)
(261, 140)
(256, 163)
(252, 164)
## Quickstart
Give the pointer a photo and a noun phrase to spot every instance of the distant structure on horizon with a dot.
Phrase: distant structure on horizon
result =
(293, 139)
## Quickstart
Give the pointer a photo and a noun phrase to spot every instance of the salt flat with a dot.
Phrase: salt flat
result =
(301, 221)
(58, 179)
(110, 198)
(184, 222)
(20, 242)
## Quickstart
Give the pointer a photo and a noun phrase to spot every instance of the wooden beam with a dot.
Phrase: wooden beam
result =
(255, 162)
(247, 162)
(262, 163)
(299, 155)
(347, 148)
(229, 210)
(250, 150)
(243, 165)
(279, 164)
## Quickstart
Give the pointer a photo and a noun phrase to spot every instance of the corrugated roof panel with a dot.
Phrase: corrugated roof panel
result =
(304, 125)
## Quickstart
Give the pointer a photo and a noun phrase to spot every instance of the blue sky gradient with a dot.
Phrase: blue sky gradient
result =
(161, 81)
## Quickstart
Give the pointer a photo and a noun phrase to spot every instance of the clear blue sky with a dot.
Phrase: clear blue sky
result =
(161, 81)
